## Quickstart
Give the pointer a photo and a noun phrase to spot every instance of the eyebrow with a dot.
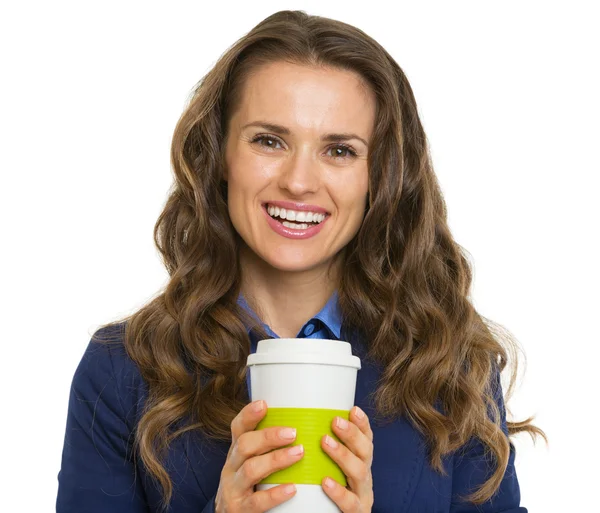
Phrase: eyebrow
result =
(278, 129)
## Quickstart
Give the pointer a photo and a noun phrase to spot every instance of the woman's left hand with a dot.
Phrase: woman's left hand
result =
(354, 456)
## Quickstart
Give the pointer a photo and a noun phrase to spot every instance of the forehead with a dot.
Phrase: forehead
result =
(307, 98)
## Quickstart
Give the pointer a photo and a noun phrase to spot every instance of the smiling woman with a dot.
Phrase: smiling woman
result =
(305, 205)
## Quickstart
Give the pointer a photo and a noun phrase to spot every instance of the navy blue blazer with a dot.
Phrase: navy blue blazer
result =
(100, 472)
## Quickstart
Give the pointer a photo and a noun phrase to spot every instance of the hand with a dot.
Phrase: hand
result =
(354, 456)
(247, 464)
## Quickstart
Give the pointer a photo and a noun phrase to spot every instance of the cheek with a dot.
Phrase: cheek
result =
(240, 183)
(247, 177)
(249, 172)
(356, 191)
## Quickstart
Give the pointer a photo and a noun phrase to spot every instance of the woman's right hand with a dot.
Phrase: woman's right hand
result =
(247, 464)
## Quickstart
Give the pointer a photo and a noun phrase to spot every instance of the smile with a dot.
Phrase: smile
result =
(298, 218)
(284, 222)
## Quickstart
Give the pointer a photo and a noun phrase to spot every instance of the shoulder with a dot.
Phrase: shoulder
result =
(106, 373)
(106, 350)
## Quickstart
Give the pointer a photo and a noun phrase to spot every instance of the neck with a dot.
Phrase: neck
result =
(285, 300)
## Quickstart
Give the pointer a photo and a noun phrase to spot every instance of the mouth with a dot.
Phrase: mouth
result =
(295, 219)
(294, 224)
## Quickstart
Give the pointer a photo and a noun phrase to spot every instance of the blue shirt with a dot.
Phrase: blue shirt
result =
(327, 324)
(99, 472)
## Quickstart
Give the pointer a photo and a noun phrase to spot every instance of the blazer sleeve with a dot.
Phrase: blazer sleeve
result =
(98, 472)
(472, 468)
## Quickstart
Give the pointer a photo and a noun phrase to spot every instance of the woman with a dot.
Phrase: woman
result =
(305, 205)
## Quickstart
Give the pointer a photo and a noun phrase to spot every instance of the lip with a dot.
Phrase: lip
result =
(296, 206)
(290, 233)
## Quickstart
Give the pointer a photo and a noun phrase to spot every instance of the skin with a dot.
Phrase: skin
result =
(289, 281)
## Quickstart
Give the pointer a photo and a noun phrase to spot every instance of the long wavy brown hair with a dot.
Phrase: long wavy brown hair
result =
(404, 287)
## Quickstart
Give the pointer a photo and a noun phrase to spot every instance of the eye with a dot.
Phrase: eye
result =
(344, 148)
(263, 137)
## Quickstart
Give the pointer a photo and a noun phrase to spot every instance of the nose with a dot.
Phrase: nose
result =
(299, 174)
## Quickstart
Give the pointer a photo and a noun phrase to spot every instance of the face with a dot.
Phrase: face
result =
(297, 147)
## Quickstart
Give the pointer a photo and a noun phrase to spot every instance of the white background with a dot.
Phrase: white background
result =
(91, 92)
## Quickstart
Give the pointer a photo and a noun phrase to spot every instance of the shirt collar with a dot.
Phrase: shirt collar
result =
(330, 315)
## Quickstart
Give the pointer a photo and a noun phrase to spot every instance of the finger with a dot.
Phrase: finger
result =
(346, 500)
(247, 419)
(264, 500)
(257, 468)
(354, 438)
(355, 469)
(255, 443)
(360, 418)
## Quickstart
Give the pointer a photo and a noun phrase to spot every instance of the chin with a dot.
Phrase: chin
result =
(292, 264)
(292, 267)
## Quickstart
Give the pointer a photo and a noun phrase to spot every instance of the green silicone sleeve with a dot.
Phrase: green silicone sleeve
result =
(311, 425)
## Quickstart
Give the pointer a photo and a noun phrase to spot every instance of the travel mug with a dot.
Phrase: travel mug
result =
(306, 383)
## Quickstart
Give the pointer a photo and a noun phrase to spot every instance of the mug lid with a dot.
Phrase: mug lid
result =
(304, 350)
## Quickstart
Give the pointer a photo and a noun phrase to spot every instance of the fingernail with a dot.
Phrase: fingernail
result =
(341, 423)
(329, 482)
(287, 433)
(296, 450)
(359, 413)
(330, 442)
(258, 406)
(289, 489)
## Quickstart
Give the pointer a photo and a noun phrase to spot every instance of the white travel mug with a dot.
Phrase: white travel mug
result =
(306, 383)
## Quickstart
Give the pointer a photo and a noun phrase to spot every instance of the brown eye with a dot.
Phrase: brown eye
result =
(339, 149)
(259, 139)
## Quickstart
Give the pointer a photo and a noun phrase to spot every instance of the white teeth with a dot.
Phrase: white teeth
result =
(293, 215)
(297, 226)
